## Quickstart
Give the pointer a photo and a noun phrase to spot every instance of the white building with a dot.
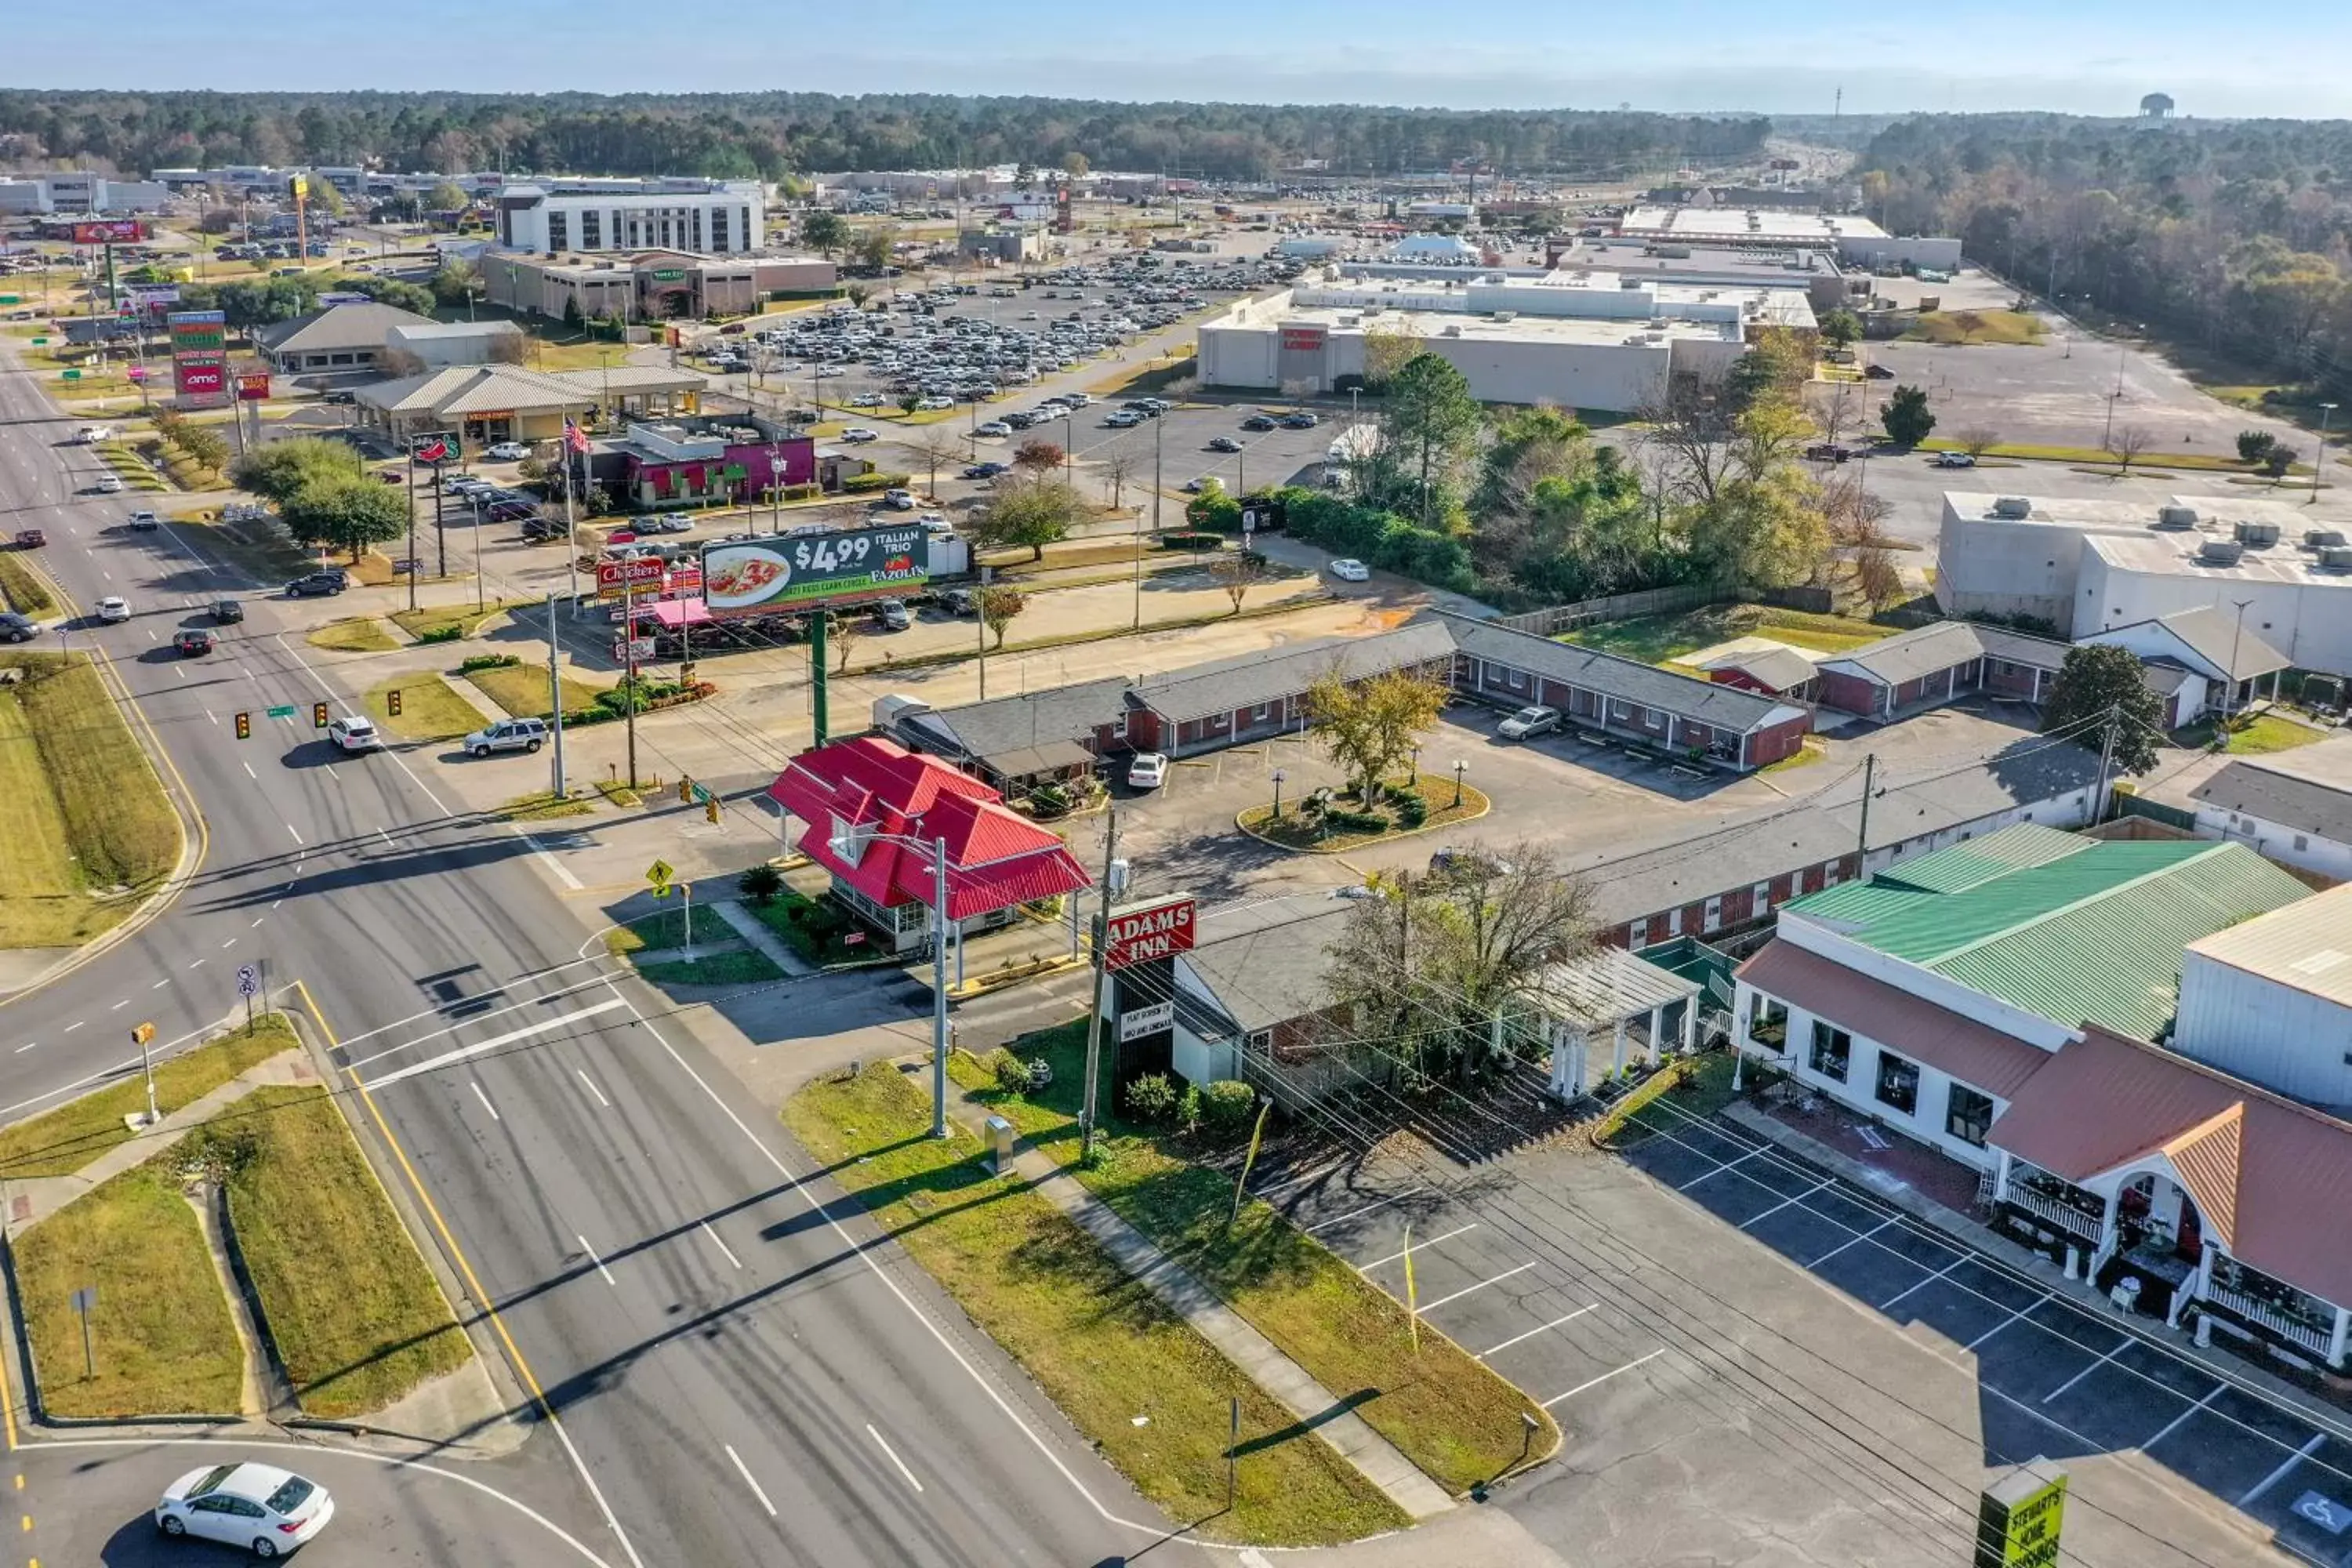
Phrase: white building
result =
(78, 192)
(2270, 1000)
(1852, 239)
(708, 217)
(2295, 807)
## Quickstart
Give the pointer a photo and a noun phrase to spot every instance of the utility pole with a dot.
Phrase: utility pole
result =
(939, 987)
(2229, 691)
(1094, 1014)
(2107, 759)
(554, 701)
(1869, 777)
(1159, 444)
(629, 661)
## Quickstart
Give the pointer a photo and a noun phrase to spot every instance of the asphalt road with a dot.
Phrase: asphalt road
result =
(733, 1375)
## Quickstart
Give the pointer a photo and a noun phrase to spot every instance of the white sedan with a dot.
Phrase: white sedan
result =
(1349, 570)
(265, 1510)
(857, 433)
(1147, 769)
(507, 452)
(114, 608)
(352, 733)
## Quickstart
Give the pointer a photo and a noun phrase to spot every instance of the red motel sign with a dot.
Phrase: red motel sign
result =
(1155, 931)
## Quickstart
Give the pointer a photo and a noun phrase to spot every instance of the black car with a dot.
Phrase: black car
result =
(224, 611)
(317, 582)
(337, 398)
(1257, 422)
(1300, 421)
(15, 627)
(984, 470)
(1224, 444)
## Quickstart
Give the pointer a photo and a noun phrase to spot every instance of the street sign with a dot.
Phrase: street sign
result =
(660, 872)
(282, 710)
(86, 1299)
(1138, 935)
(1136, 1023)
(248, 980)
(792, 573)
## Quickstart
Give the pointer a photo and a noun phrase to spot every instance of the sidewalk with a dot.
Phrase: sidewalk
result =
(1253, 1352)
(761, 940)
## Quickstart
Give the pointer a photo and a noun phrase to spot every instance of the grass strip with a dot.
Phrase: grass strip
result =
(742, 968)
(162, 1339)
(1100, 1345)
(359, 634)
(543, 806)
(655, 933)
(1700, 1085)
(357, 1317)
(521, 689)
(23, 589)
(431, 618)
(429, 708)
(1657, 640)
(816, 928)
(1459, 1422)
(63, 1140)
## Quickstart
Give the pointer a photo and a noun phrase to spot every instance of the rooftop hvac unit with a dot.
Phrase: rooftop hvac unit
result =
(1351, 321)
(2258, 533)
(2336, 558)
(1451, 333)
(2321, 538)
(2012, 506)
(1506, 315)
(2220, 552)
(2176, 517)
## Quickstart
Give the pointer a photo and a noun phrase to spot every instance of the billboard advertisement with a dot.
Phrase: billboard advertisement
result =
(1138, 935)
(113, 231)
(744, 579)
(647, 577)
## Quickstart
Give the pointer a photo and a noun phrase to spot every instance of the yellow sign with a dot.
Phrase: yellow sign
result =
(301, 186)
(660, 872)
(2018, 1519)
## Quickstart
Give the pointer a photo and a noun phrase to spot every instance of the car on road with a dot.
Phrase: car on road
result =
(15, 627)
(1301, 420)
(667, 525)
(30, 539)
(1224, 444)
(507, 452)
(352, 734)
(507, 735)
(194, 642)
(225, 611)
(109, 484)
(322, 582)
(145, 522)
(993, 427)
(114, 607)
(1955, 460)
(986, 470)
(1147, 769)
(1528, 722)
(1257, 422)
(265, 1510)
(858, 434)
(894, 614)
(1349, 570)
(898, 500)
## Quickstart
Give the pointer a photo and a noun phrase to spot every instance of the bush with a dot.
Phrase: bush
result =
(2254, 445)
(1188, 1110)
(1226, 1107)
(1346, 821)
(1009, 1068)
(761, 883)
(1150, 1096)
(862, 483)
(1191, 541)
(1412, 810)
(443, 634)
(801, 492)
(473, 662)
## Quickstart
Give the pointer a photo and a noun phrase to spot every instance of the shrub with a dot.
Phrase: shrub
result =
(1410, 809)
(473, 662)
(1226, 1107)
(1190, 540)
(1150, 1096)
(1188, 1110)
(1346, 821)
(2254, 445)
(761, 883)
(443, 634)
(864, 482)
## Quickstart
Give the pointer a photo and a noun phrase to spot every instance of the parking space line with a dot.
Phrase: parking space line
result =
(1531, 1333)
(2174, 1424)
(1417, 1247)
(1467, 1289)
(1597, 1381)
(1931, 1278)
(1784, 1203)
(1353, 1214)
(593, 1258)
(1721, 1167)
(2290, 1462)
(1858, 1237)
(1271, 1188)
(2005, 1322)
(2122, 1345)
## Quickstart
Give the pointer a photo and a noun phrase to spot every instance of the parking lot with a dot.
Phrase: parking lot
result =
(1834, 1386)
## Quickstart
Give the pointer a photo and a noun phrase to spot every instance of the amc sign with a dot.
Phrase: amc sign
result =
(1154, 930)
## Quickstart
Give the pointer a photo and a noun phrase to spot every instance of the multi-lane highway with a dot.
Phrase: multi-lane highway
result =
(717, 1368)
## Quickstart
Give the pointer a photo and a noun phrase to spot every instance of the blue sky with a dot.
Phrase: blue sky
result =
(2292, 57)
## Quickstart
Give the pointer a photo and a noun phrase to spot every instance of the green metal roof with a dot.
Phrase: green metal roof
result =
(2093, 929)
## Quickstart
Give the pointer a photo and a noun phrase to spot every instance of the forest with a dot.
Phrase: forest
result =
(2234, 236)
(776, 135)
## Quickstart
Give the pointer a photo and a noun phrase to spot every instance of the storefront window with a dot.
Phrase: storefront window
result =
(1833, 1047)
(1968, 1115)
(1898, 1083)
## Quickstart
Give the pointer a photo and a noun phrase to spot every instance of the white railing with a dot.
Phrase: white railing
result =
(2318, 1341)
(2066, 1216)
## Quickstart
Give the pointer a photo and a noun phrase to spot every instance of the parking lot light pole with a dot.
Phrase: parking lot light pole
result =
(1459, 769)
(1278, 777)
(2319, 458)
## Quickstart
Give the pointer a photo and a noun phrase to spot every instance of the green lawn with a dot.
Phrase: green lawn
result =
(1699, 1085)
(825, 945)
(23, 591)
(1656, 639)
(63, 1140)
(1441, 1409)
(656, 932)
(358, 634)
(260, 551)
(356, 1315)
(1147, 1390)
(431, 618)
(162, 1337)
(2254, 735)
(1295, 830)
(90, 829)
(521, 689)
(429, 710)
(544, 806)
(740, 968)
(1810, 752)
(1952, 326)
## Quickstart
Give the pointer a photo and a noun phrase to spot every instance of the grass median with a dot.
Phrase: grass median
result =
(1459, 1422)
(90, 829)
(521, 689)
(23, 589)
(1147, 1390)
(469, 621)
(162, 1340)
(358, 634)
(357, 1317)
(429, 708)
(65, 1139)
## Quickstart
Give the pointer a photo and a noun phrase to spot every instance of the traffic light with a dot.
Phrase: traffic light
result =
(318, 715)
(392, 702)
(244, 726)
(685, 789)
(711, 809)
(143, 1034)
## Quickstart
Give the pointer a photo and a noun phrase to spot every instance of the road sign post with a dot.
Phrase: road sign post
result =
(687, 888)
(248, 986)
(84, 1300)
(140, 1037)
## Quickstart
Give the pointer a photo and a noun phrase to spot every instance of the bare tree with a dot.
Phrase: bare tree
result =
(1237, 573)
(935, 444)
(2127, 444)
(1834, 410)
(844, 631)
(1876, 577)
(1976, 440)
(1119, 467)
(1687, 422)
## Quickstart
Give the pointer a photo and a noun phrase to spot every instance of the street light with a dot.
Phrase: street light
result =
(1278, 777)
(845, 847)
(2319, 459)
(1459, 769)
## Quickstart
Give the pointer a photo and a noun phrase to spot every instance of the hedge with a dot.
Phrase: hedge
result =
(1386, 541)
(875, 481)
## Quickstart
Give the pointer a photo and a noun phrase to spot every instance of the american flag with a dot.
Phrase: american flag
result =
(575, 439)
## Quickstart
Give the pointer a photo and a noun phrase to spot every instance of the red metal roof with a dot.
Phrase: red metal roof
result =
(996, 857)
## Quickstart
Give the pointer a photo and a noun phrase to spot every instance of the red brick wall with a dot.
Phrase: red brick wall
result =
(1145, 731)
(1785, 739)
(1740, 678)
(1850, 694)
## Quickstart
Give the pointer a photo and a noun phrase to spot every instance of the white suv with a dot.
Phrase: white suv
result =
(507, 735)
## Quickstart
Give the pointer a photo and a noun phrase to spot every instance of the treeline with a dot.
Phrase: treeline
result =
(2236, 236)
(776, 135)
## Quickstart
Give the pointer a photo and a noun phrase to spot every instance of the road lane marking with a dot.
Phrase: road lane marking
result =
(380, 833)
(232, 942)
(214, 717)
(1506, 1274)
(1597, 1381)
(297, 837)
(161, 983)
(200, 963)
(28, 1044)
(744, 1470)
(893, 1456)
(720, 1245)
(257, 922)
(596, 1260)
(72, 1027)
(249, 773)
(486, 1102)
(180, 671)
(1531, 1333)
(464, 1053)
(594, 1089)
(1431, 1241)
(120, 1005)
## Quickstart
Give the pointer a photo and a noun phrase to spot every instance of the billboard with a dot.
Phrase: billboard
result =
(113, 231)
(744, 579)
(1138, 935)
(198, 331)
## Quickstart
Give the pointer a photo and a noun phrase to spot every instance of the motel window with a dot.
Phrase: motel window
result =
(698, 228)
(1760, 899)
(1713, 918)
(1673, 923)
(1832, 1048)
(1898, 1083)
(1517, 680)
(1968, 1115)
(1767, 1021)
(592, 233)
(1258, 714)
(558, 231)
(1118, 727)
(339, 359)
(718, 229)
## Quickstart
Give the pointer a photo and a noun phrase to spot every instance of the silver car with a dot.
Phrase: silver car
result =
(507, 735)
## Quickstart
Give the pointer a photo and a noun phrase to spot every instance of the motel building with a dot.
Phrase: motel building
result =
(1999, 1001)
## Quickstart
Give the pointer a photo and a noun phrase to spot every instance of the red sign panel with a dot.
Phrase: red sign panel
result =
(1139, 935)
(647, 576)
(1303, 340)
(111, 232)
(199, 380)
(253, 386)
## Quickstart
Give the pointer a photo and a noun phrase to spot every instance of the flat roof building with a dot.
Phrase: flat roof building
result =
(710, 218)
(650, 285)
(1849, 238)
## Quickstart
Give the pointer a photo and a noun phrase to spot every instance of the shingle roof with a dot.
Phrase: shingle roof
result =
(1704, 701)
(2017, 648)
(1781, 669)
(338, 327)
(2308, 806)
(1909, 654)
(1244, 682)
(485, 388)
(2221, 642)
(1031, 718)
(2096, 935)
(1267, 965)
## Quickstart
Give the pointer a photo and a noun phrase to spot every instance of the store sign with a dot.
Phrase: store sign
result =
(1142, 1021)
(1138, 935)
(795, 574)
(639, 572)
(2018, 1519)
(1302, 339)
(196, 379)
(632, 650)
(253, 386)
(198, 331)
(111, 232)
(669, 275)
(489, 416)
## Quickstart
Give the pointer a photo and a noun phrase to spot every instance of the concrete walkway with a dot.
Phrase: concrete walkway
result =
(759, 939)
(1258, 1357)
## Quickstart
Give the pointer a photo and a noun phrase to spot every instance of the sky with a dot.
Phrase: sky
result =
(2089, 57)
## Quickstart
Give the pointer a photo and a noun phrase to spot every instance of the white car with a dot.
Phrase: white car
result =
(898, 500)
(110, 484)
(355, 734)
(933, 404)
(1349, 570)
(859, 432)
(993, 427)
(265, 1510)
(507, 452)
(1528, 722)
(936, 523)
(1147, 769)
(867, 400)
(114, 607)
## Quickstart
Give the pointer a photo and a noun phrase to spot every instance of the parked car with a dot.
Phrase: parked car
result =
(352, 734)
(993, 427)
(225, 611)
(898, 500)
(1147, 769)
(1826, 452)
(1528, 722)
(259, 1508)
(894, 614)
(960, 602)
(1224, 444)
(507, 452)
(507, 735)
(15, 627)
(1257, 422)
(1302, 420)
(857, 435)
(1879, 372)
(1349, 570)
(1955, 460)
(192, 642)
(326, 581)
(1455, 860)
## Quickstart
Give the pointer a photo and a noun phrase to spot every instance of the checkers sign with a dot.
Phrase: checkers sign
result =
(1136, 936)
